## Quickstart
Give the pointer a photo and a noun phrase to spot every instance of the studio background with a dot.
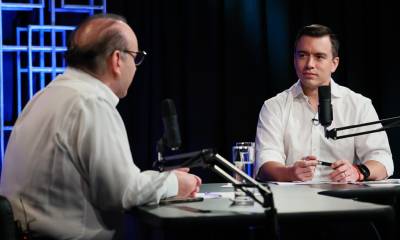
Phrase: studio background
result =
(219, 60)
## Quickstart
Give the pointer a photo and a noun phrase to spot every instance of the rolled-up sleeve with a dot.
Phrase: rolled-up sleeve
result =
(374, 146)
(269, 136)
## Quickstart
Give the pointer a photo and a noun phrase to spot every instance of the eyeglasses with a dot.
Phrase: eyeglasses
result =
(138, 57)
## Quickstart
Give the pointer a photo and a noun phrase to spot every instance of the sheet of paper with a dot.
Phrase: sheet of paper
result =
(209, 195)
(306, 183)
(228, 185)
(383, 183)
(387, 182)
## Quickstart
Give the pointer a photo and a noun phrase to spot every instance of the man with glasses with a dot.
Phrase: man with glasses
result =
(68, 169)
(138, 57)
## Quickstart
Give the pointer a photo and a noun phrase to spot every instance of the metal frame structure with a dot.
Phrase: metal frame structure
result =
(36, 52)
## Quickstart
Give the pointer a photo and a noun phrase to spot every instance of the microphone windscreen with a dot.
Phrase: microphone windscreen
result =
(172, 136)
(168, 108)
(325, 115)
(324, 92)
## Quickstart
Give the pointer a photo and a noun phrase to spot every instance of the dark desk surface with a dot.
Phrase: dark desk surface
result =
(360, 192)
(293, 202)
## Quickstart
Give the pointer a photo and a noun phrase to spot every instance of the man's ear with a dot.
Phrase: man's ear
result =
(335, 64)
(115, 62)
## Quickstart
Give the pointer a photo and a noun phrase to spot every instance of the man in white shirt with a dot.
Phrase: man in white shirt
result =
(289, 144)
(68, 167)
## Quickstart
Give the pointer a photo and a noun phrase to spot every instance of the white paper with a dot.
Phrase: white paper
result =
(209, 195)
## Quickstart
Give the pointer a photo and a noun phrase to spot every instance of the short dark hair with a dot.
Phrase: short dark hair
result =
(92, 56)
(317, 30)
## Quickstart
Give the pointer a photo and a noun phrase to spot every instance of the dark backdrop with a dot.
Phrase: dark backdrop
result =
(219, 60)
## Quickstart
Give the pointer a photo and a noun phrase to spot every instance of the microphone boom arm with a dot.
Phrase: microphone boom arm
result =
(333, 132)
(206, 158)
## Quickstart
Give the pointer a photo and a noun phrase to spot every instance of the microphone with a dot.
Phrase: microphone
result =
(325, 115)
(172, 136)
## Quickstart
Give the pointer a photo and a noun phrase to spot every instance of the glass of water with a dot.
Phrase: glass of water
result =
(243, 158)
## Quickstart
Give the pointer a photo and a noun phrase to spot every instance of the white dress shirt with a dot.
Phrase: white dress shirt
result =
(286, 132)
(69, 161)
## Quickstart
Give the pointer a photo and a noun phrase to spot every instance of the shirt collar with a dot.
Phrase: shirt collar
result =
(101, 88)
(297, 90)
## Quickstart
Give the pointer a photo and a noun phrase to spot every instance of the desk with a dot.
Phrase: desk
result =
(214, 218)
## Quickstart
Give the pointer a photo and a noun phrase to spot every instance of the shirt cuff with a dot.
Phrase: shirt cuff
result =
(172, 185)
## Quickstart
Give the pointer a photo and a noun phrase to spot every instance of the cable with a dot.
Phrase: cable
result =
(378, 236)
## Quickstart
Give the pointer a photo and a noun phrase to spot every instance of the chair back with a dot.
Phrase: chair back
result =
(8, 228)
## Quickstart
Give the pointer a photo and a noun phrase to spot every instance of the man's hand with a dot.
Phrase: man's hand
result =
(344, 171)
(188, 184)
(303, 170)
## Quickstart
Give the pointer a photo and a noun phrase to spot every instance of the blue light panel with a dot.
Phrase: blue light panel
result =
(32, 54)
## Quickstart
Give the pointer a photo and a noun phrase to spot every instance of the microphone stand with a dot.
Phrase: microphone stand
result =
(207, 158)
(160, 147)
(332, 133)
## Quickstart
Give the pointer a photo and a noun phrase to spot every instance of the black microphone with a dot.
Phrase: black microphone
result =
(325, 115)
(172, 136)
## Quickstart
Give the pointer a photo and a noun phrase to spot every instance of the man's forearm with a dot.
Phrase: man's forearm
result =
(274, 171)
(377, 170)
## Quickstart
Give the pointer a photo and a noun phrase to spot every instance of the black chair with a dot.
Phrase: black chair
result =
(8, 228)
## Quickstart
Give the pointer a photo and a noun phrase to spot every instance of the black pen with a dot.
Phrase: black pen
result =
(324, 163)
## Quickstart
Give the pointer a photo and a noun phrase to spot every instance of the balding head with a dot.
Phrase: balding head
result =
(95, 39)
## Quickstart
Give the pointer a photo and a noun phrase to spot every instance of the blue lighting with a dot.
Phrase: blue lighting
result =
(32, 54)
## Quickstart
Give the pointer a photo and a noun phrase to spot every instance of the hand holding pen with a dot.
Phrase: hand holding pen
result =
(344, 171)
(303, 170)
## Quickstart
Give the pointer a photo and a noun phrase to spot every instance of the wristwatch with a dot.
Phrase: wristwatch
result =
(364, 171)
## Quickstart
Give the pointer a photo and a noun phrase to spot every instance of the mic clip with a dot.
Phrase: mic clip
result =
(315, 121)
(332, 134)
